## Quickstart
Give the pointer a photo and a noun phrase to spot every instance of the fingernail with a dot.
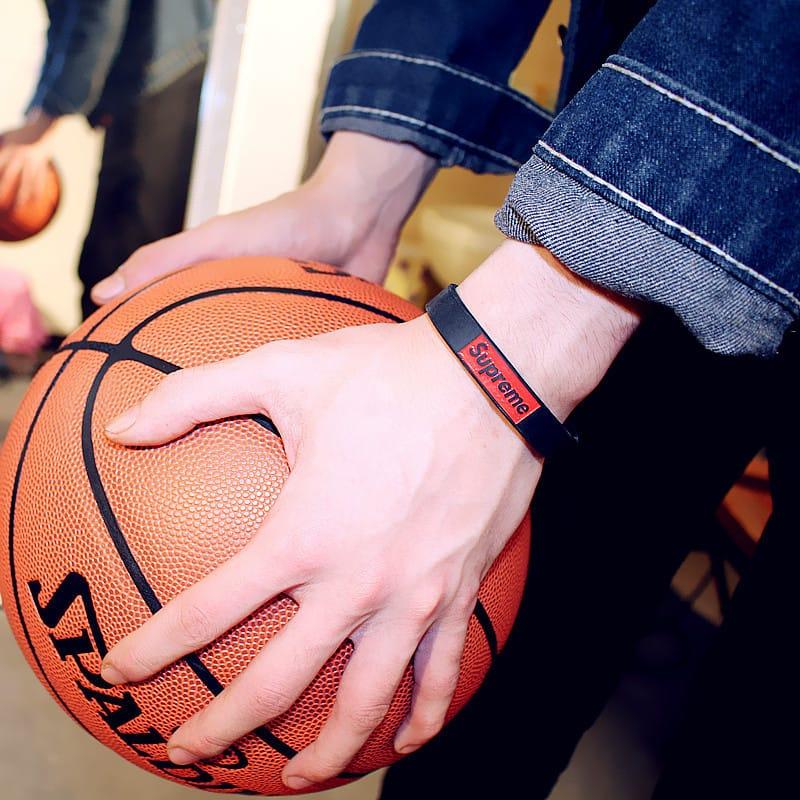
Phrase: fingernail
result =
(177, 755)
(109, 287)
(111, 674)
(405, 749)
(297, 782)
(123, 422)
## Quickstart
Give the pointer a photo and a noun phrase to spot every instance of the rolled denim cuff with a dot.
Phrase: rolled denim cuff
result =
(459, 117)
(53, 104)
(609, 246)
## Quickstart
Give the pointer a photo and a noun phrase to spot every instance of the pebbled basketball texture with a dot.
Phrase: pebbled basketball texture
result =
(20, 221)
(95, 537)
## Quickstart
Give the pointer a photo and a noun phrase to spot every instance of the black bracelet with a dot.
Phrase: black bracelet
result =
(490, 369)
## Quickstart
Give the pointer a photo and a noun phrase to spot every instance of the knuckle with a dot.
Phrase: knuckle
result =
(277, 356)
(299, 552)
(135, 664)
(366, 717)
(427, 600)
(139, 264)
(207, 743)
(323, 765)
(441, 686)
(169, 386)
(464, 603)
(176, 380)
(270, 700)
(368, 595)
(194, 626)
(427, 726)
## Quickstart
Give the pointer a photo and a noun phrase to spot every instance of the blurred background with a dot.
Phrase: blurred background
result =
(257, 138)
(252, 54)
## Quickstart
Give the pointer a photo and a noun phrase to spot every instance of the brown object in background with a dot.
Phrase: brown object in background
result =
(18, 222)
(747, 506)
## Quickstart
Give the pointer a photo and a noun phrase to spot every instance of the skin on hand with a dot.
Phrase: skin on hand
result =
(398, 571)
(349, 214)
(24, 156)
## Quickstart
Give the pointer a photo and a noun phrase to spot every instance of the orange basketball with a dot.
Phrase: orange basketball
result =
(20, 221)
(97, 537)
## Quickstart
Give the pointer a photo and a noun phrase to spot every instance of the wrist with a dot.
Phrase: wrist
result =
(560, 332)
(38, 123)
(380, 181)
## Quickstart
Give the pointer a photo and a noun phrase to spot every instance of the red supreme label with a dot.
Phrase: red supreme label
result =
(499, 379)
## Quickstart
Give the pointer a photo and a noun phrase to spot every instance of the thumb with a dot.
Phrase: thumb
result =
(164, 256)
(189, 397)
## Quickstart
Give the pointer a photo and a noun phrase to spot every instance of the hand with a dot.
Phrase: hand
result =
(398, 571)
(397, 577)
(24, 155)
(349, 213)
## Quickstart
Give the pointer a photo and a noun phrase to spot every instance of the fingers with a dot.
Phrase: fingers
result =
(161, 257)
(203, 612)
(189, 397)
(365, 694)
(267, 688)
(437, 666)
(9, 183)
(6, 156)
(31, 183)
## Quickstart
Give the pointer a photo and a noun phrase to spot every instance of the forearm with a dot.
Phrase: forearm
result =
(374, 169)
(379, 181)
(561, 332)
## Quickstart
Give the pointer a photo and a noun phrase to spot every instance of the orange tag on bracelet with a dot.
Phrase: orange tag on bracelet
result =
(498, 378)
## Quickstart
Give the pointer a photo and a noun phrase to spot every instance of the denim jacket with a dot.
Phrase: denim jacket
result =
(103, 54)
(671, 170)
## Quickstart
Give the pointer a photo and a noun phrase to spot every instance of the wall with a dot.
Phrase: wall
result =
(258, 102)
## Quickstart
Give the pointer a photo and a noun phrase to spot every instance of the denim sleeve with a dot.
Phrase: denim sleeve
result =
(673, 176)
(82, 40)
(434, 73)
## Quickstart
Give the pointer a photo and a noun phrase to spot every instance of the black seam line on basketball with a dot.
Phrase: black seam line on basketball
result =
(11, 531)
(335, 298)
(134, 570)
(163, 278)
(124, 303)
(85, 344)
(482, 615)
(125, 351)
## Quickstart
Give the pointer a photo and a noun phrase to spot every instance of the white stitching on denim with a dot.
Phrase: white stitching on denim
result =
(787, 162)
(380, 112)
(431, 62)
(667, 221)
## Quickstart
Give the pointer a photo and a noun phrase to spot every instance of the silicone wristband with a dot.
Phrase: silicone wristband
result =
(492, 371)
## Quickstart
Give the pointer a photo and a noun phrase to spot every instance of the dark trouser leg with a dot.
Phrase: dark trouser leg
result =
(144, 179)
(740, 737)
(661, 442)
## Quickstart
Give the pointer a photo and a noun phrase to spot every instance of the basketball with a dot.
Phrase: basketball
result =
(95, 537)
(20, 221)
